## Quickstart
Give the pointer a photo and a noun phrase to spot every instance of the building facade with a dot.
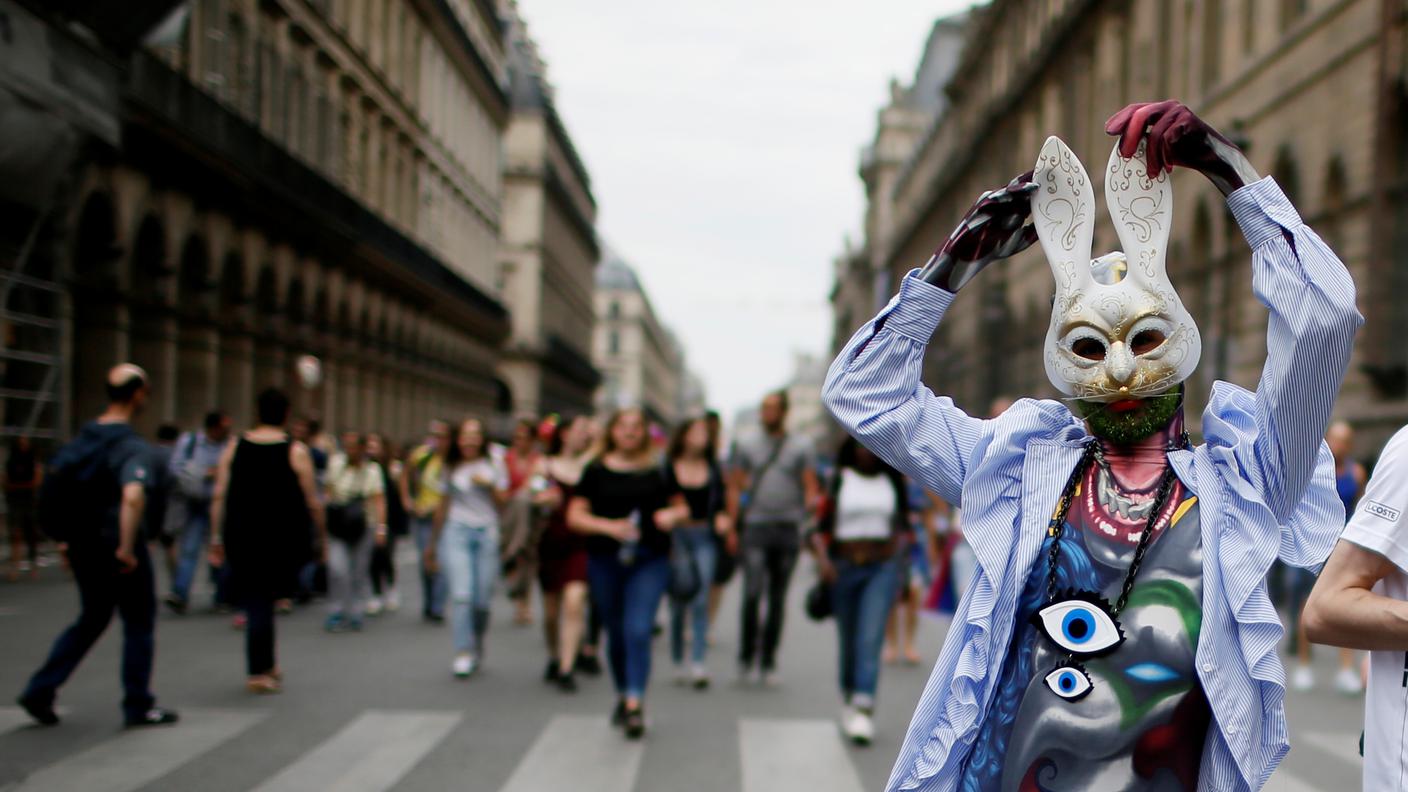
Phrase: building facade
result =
(549, 247)
(641, 363)
(1313, 90)
(292, 177)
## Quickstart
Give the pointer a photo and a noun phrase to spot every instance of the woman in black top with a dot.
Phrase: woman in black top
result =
(265, 502)
(620, 504)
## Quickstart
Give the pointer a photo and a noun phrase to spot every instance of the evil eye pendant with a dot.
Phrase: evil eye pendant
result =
(1080, 623)
(1070, 682)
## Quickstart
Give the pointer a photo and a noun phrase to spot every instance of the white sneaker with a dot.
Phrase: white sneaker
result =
(1303, 679)
(699, 676)
(859, 729)
(392, 601)
(464, 665)
(770, 678)
(374, 606)
(1347, 682)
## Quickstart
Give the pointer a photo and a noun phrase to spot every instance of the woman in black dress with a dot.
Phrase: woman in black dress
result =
(265, 502)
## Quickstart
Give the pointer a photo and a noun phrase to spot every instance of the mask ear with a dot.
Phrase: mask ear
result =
(1063, 209)
(1142, 209)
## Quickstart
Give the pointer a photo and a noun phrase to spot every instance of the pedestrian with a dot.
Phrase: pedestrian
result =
(193, 464)
(384, 593)
(356, 522)
(522, 460)
(465, 539)
(773, 487)
(726, 545)
(23, 474)
(562, 552)
(162, 520)
(1360, 601)
(692, 471)
(902, 626)
(860, 545)
(92, 502)
(420, 492)
(264, 517)
(621, 505)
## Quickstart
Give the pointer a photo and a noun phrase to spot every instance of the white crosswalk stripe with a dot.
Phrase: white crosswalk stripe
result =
(578, 752)
(370, 754)
(135, 758)
(795, 756)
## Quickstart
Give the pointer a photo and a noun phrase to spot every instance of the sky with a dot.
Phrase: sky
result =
(723, 141)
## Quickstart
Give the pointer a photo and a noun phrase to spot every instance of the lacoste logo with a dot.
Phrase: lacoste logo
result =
(1381, 511)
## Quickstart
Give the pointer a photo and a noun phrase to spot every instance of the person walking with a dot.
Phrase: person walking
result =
(161, 519)
(356, 522)
(465, 539)
(22, 477)
(772, 487)
(522, 460)
(265, 504)
(562, 552)
(421, 495)
(692, 471)
(725, 545)
(384, 593)
(92, 502)
(193, 464)
(859, 546)
(915, 574)
(621, 504)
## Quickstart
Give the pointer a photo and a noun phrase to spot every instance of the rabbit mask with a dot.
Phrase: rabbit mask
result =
(1118, 330)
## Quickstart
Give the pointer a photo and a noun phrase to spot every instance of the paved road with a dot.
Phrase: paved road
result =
(380, 711)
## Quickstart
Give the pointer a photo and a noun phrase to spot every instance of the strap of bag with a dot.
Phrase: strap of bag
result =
(758, 477)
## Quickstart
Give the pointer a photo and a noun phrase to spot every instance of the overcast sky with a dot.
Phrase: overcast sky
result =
(722, 139)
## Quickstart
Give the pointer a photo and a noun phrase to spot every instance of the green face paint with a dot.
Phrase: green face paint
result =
(1130, 426)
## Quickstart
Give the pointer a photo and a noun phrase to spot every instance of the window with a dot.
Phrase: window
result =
(1212, 43)
(613, 343)
(615, 310)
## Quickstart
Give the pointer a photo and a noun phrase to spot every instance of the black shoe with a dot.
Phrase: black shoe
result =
(175, 604)
(433, 618)
(635, 723)
(551, 673)
(588, 664)
(42, 711)
(156, 716)
(618, 715)
(566, 683)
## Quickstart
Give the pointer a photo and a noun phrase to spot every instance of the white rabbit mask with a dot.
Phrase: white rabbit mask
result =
(1118, 330)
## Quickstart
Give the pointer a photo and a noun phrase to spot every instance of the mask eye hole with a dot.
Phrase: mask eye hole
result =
(1081, 625)
(1069, 682)
(1146, 341)
(1088, 348)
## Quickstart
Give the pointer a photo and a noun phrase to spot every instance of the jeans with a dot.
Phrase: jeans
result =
(350, 574)
(700, 541)
(259, 636)
(862, 597)
(192, 552)
(101, 590)
(470, 557)
(432, 584)
(769, 556)
(627, 598)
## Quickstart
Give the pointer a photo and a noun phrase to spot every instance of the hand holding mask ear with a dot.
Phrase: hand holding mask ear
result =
(1178, 137)
(996, 227)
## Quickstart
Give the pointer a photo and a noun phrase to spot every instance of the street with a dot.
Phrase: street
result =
(379, 710)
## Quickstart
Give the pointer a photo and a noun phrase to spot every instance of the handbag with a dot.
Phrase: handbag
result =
(685, 582)
(347, 521)
(819, 604)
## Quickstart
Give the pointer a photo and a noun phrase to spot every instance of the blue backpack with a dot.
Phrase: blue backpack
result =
(80, 495)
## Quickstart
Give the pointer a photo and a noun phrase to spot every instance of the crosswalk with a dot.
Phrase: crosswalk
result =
(377, 749)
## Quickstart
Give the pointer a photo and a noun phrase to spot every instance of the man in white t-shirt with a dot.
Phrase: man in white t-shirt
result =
(1361, 602)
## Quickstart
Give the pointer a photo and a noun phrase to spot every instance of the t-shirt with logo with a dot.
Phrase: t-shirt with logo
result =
(1378, 525)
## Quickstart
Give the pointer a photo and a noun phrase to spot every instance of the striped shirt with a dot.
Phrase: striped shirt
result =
(1263, 476)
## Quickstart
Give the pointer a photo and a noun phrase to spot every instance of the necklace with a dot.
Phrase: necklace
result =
(1083, 623)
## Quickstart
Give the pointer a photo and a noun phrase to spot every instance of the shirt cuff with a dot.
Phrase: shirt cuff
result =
(916, 311)
(1263, 211)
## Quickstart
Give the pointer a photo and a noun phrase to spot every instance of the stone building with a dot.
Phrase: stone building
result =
(641, 362)
(1313, 89)
(290, 177)
(549, 247)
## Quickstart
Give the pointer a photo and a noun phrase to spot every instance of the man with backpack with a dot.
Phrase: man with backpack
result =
(92, 502)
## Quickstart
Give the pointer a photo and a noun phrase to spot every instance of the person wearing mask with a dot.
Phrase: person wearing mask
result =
(264, 516)
(421, 495)
(692, 472)
(562, 552)
(356, 522)
(465, 539)
(93, 500)
(772, 488)
(621, 505)
(22, 477)
(521, 545)
(859, 545)
(192, 467)
(384, 594)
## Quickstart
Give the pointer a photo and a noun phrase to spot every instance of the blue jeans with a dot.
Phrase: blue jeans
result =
(101, 590)
(470, 557)
(862, 597)
(432, 584)
(192, 552)
(700, 541)
(628, 597)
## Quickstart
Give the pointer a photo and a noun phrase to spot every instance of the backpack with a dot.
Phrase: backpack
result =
(80, 492)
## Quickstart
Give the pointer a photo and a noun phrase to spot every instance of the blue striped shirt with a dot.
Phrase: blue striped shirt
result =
(1263, 476)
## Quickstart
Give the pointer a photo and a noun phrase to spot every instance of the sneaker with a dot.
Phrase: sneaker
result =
(175, 604)
(374, 606)
(1303, 679)
(335, 623)
(392, 601)
(699, 677)
(464, 666)
(634, 723)
(566, 683)
(156, 716)
(1347, 682)
(858, 727)
(42, 711)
